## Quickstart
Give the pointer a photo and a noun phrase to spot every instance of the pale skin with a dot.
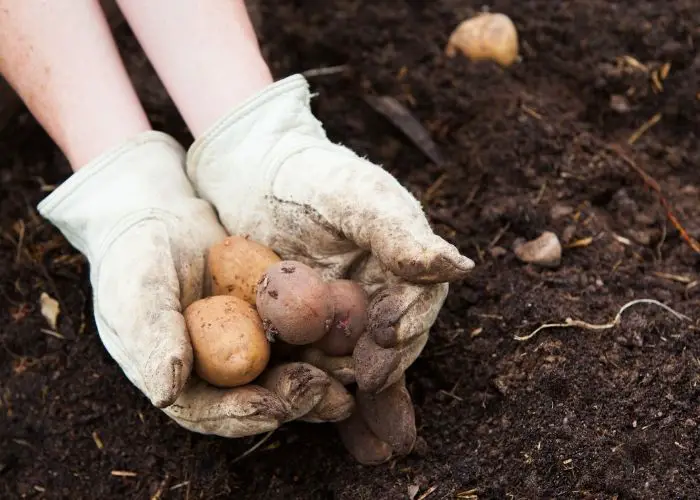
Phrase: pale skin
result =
(62, 61)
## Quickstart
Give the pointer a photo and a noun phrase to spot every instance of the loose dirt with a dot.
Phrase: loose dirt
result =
(569, 413)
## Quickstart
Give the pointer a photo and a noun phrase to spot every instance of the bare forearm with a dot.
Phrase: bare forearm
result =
(61, 60)
(205, 52)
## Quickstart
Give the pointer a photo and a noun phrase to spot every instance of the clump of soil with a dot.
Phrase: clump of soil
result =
(570, 413)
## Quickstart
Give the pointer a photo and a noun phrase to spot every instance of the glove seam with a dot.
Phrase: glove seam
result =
(122, 226)
(243, 110)
(92, 169)
(128, 221)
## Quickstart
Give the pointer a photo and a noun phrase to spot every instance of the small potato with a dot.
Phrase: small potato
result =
(294, 303)
(390, 416)
(228, 340)
(488, 35)
(350, 304)
(364, 446)
(235, 266)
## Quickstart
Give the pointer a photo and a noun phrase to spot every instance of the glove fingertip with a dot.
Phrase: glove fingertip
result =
(168, 380)
(373, 364)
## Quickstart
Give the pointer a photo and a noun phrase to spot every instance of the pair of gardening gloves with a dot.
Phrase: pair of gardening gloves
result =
(145, 213)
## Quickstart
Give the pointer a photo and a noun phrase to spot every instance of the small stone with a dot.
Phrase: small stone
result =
(543, 251)
(559, 210)
(497, 252)
(568, 234)
(620, 103)
(644, 219)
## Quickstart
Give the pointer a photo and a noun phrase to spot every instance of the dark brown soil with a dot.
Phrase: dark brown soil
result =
(570, 413)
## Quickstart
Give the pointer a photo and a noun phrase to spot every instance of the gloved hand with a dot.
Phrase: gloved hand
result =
(272, 174)
(133, 213)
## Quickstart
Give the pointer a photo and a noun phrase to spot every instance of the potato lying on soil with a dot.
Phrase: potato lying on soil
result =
(235, 266)
(488, 35)
(294, 303)
(228, 340)
(336, 405)
(390, 416)
(350, 303)
(358, 439)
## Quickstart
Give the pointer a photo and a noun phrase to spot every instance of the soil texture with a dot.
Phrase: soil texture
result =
(549, 144)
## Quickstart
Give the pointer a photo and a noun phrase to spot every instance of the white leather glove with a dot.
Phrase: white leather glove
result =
(273, 175)
(133, 213)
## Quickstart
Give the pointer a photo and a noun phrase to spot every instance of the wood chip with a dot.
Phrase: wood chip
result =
(98, 442)
(49, 309)
(123, 473)
(402, 119)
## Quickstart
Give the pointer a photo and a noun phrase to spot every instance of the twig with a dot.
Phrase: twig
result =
(403, 120)
(499, 235)
(254, 447)
(433, 188)
(329, 70)
(123, 473)
(425, 495)
(643, 129)
(651, 182)
(590, 326)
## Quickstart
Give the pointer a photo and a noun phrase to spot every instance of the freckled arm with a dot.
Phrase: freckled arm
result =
(61, 59)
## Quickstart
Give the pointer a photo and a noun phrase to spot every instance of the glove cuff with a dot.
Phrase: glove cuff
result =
(253, 128)
(122, 180)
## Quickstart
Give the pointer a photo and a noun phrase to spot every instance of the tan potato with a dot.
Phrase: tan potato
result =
(228, 339)
(235, 266)
(486, 36)
(350, 304)
(294, 303)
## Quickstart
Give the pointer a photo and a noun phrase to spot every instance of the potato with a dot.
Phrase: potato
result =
(228, 340)
(488, 35)
(350, 304)
(390, 416)
(235, 266)
(364, 446)
(294, 303)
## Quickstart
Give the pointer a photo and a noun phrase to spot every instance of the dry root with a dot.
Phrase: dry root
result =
(568, 323)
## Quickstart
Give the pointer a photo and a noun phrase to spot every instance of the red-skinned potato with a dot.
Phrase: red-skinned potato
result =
(350, 304)
(294, 303)
(228, 340)
(235, 266)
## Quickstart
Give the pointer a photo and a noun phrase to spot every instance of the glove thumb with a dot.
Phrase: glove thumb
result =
(138, 311)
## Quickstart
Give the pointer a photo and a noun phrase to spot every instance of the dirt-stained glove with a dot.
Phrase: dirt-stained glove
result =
(133, 213)
(272, 174)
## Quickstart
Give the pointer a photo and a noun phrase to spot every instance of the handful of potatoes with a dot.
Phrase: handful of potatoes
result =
(258, 298)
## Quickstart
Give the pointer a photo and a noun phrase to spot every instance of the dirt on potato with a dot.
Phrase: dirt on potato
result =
(570, 413)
